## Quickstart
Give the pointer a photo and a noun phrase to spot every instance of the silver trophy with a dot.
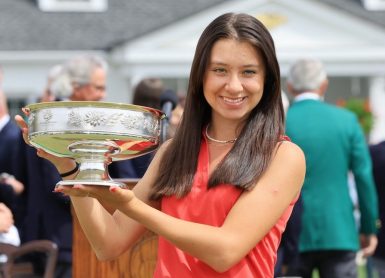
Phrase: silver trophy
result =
(91, 132)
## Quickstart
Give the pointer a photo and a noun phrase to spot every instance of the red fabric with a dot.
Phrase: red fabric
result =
(211, 207)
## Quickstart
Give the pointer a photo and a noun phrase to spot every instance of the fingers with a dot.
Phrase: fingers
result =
(80, 190)
(121, 194)
(44, 154)
(113, 194)
(77, 190)
(21, 122)
(115, 189)
(108, 160)
(26, 111)
(24, 128)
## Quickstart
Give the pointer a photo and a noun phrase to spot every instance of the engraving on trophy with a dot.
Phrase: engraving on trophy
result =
(47, 115)
(74, 119)
(95, 118)
(132, 121)
(114, 119)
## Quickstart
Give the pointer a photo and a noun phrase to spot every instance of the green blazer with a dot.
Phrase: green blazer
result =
(333, 143)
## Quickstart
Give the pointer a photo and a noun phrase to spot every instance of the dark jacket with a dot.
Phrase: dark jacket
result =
(377, 153)
(9, 136)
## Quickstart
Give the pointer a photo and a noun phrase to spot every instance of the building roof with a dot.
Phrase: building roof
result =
(355, 7)
(24, 27)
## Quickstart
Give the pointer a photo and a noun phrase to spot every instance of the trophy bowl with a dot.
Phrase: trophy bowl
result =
(92, 133)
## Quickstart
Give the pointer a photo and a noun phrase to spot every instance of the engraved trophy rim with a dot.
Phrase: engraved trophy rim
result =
(101, 104)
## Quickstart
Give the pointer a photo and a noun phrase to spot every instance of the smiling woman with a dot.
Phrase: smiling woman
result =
(218, 204)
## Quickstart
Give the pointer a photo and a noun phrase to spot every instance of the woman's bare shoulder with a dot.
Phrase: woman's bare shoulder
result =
(289, 150)
(290, 157)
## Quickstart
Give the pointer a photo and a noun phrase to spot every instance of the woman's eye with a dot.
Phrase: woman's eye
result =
(219, 70)
(249, 72)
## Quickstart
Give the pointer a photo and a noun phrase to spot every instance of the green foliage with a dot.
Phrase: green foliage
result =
(361, 108)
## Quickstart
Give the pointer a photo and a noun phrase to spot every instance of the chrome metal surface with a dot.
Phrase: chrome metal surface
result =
(92, 132)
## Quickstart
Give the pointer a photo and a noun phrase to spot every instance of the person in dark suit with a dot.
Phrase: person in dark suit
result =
(334, 144)
(377, 153)
(10, 188)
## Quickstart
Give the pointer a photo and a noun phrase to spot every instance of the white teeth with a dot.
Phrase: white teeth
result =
(233, 100)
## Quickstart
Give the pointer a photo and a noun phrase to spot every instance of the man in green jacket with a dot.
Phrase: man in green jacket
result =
(334, 144)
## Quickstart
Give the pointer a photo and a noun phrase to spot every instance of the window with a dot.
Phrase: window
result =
(374, 5)
(73, 5)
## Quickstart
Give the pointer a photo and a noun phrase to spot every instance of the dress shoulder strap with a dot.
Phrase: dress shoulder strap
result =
(284, 138)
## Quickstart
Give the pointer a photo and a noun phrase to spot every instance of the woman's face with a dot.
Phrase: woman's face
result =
(234, 79)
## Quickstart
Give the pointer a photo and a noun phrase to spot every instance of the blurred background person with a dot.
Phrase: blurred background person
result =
(10, 188)
(176, 116)
(58, 86)
(148, 92)
(333, 143)
(377, 153)
(87, 75)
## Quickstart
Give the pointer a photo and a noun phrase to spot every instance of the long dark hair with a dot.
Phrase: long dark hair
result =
(252, 152)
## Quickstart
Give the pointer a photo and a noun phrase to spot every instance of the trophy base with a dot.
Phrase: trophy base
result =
(91, 182)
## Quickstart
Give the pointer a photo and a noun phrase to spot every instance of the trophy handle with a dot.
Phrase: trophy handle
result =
(92, 157)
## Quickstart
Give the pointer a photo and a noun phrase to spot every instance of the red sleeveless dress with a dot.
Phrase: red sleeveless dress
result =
(211, 207)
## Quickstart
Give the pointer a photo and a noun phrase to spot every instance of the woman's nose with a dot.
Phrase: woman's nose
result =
(234, 84)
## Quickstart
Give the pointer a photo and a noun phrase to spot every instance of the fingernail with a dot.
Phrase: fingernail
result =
(113, 188)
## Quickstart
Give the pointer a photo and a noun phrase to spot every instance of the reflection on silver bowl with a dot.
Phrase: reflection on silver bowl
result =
(92, 132)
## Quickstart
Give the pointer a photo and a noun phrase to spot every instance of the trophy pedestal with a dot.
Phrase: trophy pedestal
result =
(92, 157)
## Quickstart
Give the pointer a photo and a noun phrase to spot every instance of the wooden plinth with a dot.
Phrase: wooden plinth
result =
(138, 262)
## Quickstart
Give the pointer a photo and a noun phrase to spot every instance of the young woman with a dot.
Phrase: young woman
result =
(220, 192)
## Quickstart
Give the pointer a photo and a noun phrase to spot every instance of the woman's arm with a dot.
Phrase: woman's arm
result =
(111, 235)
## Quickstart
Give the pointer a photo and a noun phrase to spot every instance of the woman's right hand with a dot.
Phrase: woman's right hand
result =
(62, 164)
